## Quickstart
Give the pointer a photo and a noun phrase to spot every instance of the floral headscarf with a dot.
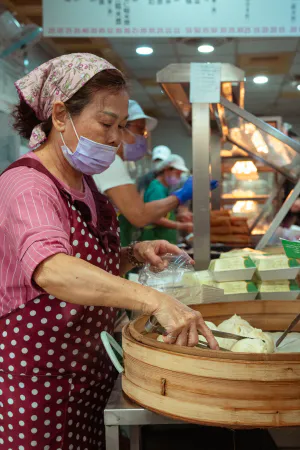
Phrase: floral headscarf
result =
(57, 80)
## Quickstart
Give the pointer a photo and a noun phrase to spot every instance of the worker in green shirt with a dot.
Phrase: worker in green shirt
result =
(169, 175)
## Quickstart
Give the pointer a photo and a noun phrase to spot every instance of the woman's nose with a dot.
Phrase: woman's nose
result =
(115, 137)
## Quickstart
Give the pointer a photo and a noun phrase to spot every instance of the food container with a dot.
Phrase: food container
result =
(276, 267)
(235, 291)
(237, 268)
(278, 290)
(235, 390)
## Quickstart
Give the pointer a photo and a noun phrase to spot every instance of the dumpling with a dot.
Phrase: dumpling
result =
(250, 346)
(259, 334)
(234, 325)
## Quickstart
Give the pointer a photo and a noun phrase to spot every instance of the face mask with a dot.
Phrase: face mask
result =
(172, 180)
(136, 151)
(90, 157)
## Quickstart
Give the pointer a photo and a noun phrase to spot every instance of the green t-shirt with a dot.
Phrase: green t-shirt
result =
(157, 191)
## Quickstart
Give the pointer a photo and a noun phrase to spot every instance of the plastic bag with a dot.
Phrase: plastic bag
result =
(171, 279)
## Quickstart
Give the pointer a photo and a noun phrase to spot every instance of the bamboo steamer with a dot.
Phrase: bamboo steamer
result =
(236, 390)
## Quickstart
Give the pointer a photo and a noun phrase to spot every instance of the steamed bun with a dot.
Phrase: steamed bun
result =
(250, 346)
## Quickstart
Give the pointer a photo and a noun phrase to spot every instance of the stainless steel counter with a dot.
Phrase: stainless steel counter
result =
(122, 411)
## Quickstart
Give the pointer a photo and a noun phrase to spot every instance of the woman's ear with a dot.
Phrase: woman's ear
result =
(59, 116)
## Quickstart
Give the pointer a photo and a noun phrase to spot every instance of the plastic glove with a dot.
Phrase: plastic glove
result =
(185, 193)
(214, 184)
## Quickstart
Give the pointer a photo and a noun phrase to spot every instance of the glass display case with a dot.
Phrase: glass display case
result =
(275, 156)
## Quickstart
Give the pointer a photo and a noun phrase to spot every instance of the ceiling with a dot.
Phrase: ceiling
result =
(277, 58)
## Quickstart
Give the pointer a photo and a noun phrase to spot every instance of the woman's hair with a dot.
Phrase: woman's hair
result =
(25, 118)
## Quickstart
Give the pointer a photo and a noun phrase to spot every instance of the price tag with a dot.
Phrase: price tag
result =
(205, 84)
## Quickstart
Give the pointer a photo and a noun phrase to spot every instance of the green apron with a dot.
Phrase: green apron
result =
(128, 232)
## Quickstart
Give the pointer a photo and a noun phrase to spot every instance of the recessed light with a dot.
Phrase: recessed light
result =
(144, 50)
(260, 79)
(206, 48)
(298, 87)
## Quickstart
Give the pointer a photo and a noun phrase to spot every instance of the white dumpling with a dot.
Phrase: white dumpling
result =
(267, 338)
(250, 346)
(234, 325)
(225, 343)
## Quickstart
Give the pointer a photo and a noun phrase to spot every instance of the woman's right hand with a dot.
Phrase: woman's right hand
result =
(182, 323)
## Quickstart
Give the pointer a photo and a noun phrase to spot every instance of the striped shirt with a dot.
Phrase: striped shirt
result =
(34, 225)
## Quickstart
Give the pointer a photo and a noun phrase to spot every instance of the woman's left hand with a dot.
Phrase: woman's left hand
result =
(152, 252)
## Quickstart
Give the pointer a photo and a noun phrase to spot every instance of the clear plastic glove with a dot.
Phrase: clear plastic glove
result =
(182, 323)
(185, 193)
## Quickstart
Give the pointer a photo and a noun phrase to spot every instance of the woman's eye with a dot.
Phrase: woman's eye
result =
(106, 125)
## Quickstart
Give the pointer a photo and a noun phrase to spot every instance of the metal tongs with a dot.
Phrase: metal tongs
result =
(289, 328)
(153, 326)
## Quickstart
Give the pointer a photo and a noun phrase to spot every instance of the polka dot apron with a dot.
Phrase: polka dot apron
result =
(55, 376)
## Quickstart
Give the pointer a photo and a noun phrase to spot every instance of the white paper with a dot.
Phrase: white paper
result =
(205, 84)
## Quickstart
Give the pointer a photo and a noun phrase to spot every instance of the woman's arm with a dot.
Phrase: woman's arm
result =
(76, 281)
(79, 282)
(181, 226)
(129, 202)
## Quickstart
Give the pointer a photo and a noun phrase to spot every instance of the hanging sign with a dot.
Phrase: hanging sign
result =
(205, 83)
(171, 18)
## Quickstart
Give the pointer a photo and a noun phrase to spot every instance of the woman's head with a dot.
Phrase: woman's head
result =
(81, 86)
(171, 169)
(135, 143)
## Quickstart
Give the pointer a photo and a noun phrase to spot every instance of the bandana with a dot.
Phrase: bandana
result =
(57, 80)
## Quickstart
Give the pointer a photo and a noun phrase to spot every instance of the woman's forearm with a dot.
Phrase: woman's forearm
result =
(166, 223)
(157, 209)
(129, 203)
(76, 281)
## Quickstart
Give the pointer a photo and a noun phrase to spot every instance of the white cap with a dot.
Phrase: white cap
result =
(135, 112)
(174, 162)
(161, 152)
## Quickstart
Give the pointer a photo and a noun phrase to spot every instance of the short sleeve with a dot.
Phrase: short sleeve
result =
(116, 175)
(37, 227)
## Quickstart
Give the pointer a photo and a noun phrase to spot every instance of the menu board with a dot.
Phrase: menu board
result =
(171, 18)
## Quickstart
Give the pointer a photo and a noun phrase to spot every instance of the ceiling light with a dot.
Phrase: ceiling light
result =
(298, 87)
(206, 48)
(144, 50)
(260, 79)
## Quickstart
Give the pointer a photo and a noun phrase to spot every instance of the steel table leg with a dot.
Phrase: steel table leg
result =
(135, 437)
(112, 437)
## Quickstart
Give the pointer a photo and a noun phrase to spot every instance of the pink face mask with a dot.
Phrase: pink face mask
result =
(172, 180)
(90, 157)
(136, 151)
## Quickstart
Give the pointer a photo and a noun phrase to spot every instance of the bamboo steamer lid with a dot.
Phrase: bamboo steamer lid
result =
(237, 390)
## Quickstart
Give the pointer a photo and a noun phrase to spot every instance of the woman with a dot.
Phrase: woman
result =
(169, 175)
(117, 184)
(159, 154)
(61, 260)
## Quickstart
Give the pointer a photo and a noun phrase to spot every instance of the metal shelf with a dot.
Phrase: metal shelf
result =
(257, 198)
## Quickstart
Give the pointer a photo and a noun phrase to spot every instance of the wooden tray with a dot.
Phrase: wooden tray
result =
(238, 390)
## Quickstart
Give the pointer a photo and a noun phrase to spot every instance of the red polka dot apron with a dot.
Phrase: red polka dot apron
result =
(55, 376)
